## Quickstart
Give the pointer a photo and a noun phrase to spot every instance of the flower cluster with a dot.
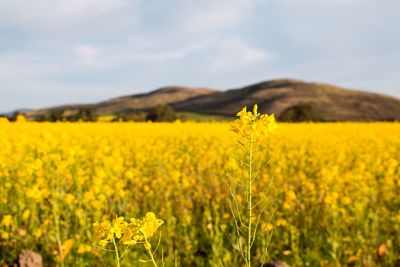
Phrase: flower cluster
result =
(4, 120)
(129, 232)
(253, 123)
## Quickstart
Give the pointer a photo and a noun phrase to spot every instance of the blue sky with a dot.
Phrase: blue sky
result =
(74, 51)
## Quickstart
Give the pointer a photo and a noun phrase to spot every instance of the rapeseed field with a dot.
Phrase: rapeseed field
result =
(333, 194)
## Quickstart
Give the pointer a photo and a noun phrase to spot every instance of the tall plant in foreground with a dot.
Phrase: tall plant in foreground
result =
(121, 233)
(249, 196)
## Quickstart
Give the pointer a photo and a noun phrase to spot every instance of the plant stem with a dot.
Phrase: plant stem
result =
(152, 258)
(151, 254)
(116, 253)
(249, 200)
(58, 236)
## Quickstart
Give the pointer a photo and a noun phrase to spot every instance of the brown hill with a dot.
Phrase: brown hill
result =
(286, 98)
(140, 102)
(326, 102)
(125, 104)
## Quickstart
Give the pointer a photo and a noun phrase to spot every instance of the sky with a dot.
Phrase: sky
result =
(84, 51)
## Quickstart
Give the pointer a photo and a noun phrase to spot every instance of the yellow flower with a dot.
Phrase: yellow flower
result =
(84, 248)
(20, 118)
(103, 242)
(281, 222)
(7, 220)
(129, 233)
(5, 235)
(287, 252)
(25, 215)
(66, 247)
(150, 225)
(346, 200)
(102, 231)
(70, 199)
(38, 233)
(4, 120)
(267, 227)
(118, 227)
(253, 123)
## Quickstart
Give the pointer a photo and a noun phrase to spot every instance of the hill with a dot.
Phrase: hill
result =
(288, 99)
(123, 105)
(325, 102)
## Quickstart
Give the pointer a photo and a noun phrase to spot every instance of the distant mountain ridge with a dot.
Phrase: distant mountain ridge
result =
(127, 104)
(332, 103)
(281, 97)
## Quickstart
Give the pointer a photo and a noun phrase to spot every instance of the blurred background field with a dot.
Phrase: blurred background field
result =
(335, 191)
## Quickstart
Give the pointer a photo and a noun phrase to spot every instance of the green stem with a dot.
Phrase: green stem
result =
(116, 253)
(151, 254)
(249, 201)
(58, 236)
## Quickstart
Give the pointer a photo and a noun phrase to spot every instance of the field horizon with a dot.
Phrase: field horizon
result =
(288, 99)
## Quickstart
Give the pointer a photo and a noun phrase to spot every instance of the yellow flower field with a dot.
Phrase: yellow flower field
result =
(334, 198)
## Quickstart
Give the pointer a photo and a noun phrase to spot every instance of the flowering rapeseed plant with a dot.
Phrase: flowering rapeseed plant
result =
(249, 204)
(128, 233)
(254, 124)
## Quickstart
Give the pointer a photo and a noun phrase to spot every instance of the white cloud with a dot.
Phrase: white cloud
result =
(23, 65)
(234, 53)
(50, 16)
(159, 54)
(31, 94)
(208, 15)
(55, 11)
(318, 2)
(86, 52)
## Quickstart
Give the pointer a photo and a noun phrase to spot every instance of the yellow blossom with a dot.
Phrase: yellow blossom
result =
(150, 225)
(6, 220)
(26, 214)
(84, 248)
(253, 123)
(66, 247)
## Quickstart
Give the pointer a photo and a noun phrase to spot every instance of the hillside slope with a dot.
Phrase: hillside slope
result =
(281, 97)
(330, 102)
(126, 104)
